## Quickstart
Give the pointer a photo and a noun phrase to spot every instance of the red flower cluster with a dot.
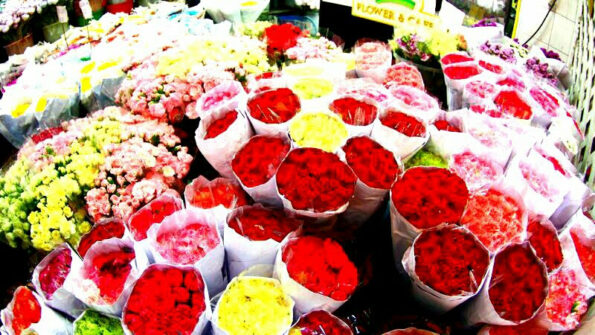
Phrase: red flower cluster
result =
(429, 196)
(165, 300)
(455, 58)
(261, 224)
(220, 191)
(320, 323)
(404, 74)
(26, 310)
(519, 285)
(46, 134)
(189, 244)
(450, 260)
(330, 273)
(275, 106)
(585, 248)
(445, 126)
(405, 124)
(313, 179)
(53, 275)
(353, 111)
(491, 67)
(373, 165)
(512, 82)
(280, 37)
(512, 104)
(548, 102)
(99, 232)
(109, 271)
(153, 213)
(495, 218)
(220, 125)
(259, 159)
(460, 72)
(544, 239)
(565, 303)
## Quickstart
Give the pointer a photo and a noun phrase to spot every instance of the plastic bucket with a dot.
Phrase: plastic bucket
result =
(19, 46)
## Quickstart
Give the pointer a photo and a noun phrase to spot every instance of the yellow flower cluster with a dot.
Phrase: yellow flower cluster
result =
(248, 53)
(312, 88)
(254, 29)
(318, 130)
(253, 305)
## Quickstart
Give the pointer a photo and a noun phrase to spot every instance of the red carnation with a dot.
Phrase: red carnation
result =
(460, 72)
(109, 271)
(512, 104)
(403, 123)
(275, 106)
(373, 165)
(258, 160)
(260, 224)
(101, 231)
(313, 179)
(455, 58)
(153, 213)
(445, 126)
(353, 111)
(219, 191)
(26, 310)
(53, 275)
(544, 239)
(218, 126)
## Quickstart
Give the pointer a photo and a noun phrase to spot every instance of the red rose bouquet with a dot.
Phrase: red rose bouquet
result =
(253, 235)
(410, 331)
(270, 111)
(513, 105)
(543, 237)
(496, 218)
(478, 171)
(447, 265)
(403, 134)
(229, 95)
(358, 113)
(218, 197)
(515, 291)
(103, 230)
(376, 170)
(220, 135)
(55, 279)
(256, 164)
(404, 74)
(320, 323)
(415, 101)
(322, 282)
(567, 300)
(167, 300)
(424, 197)
(110, 267)
(190, 237)
(315, 183)
(153, 213)
(26, 314)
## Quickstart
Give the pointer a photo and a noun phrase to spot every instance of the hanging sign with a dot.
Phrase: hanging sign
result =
(396, 12)
(86, 9)
(62, 14)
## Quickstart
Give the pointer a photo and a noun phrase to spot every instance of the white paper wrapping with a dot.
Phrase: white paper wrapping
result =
(400, 145)
(211, 265)
(365, 130)
(320, 217)
(203, 319)
(571, 258)
(88, 292)
(50, 322)
(437, 302)
(454, 92)
(63, 298)
(238, 101)
(305, 300)
(219, 151)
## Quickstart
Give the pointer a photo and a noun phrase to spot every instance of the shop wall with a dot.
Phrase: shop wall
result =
(558, 31)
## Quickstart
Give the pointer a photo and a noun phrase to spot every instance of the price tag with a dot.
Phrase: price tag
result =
(86, 9)
(62, 14)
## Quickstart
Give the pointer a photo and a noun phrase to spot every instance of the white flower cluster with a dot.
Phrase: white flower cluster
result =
(15, 11)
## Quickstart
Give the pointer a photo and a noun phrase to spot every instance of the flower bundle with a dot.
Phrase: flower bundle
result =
(324, 282)
(153, 213)
(313, 90)
(493, 136)
(425, 46)
(190, 237)
(478, 91)
(253, 305)
(27, 314)
(426, 158)
(497, 217)
(404, 74)
(549, 103)
(414, 100)
(270, 111)
(318, 130)
(253, 235)
(365, 88)
(109, 269)
(225, 96)
(402, 133)
(478, 171)
(447, 265)
(499, 50)
(95, 323)
(544, 239)
(313, 49)
(280, 38)
(582, 237)
(255, 165)
(376, 170)
(566, 301)
(220, 135)
(510, 103)
(372, 59)
(315, 183)
(167, 299)
(103, 230)
(320, 322)
(515, 291)
(357, 113)
(55, 279)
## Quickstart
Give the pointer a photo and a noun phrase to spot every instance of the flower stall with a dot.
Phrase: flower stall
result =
(198, 170)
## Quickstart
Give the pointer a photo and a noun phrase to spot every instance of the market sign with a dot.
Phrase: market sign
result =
(396, 12)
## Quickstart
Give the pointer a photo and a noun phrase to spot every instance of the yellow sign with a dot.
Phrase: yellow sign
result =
(395, 12)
